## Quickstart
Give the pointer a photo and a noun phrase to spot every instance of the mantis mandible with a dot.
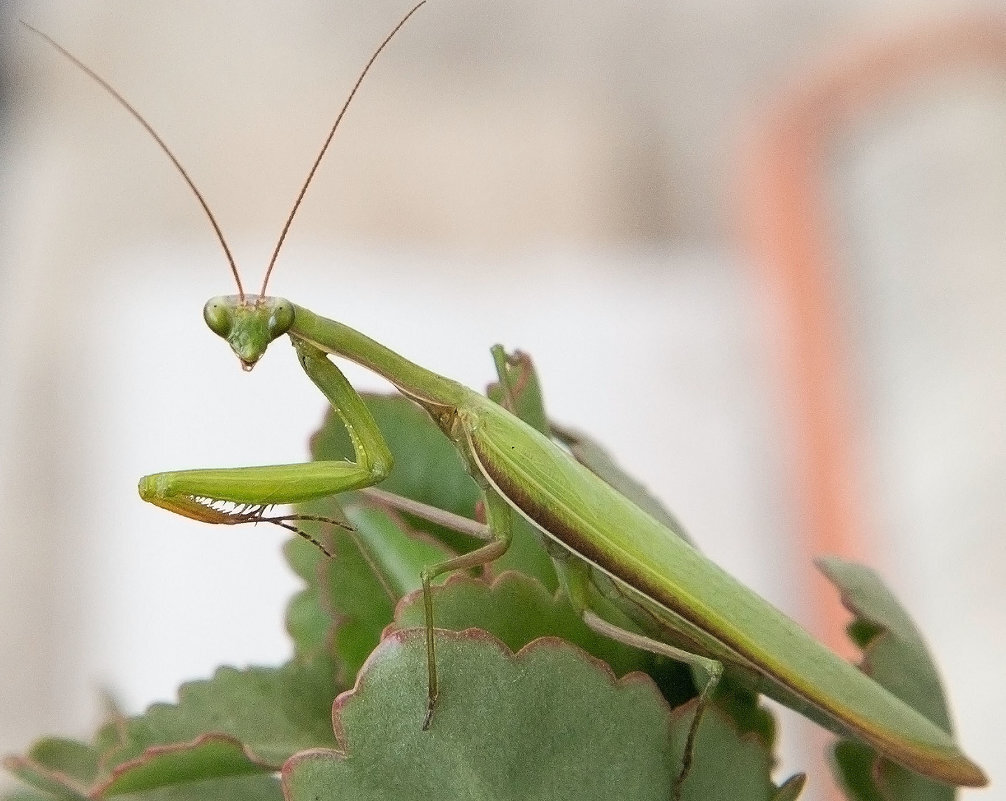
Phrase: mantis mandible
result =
(606, 549)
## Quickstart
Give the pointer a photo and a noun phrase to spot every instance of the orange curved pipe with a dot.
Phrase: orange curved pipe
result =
(787, 231)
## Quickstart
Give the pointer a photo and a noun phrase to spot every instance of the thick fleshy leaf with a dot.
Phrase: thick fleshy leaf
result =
(897, 658)
(546, 722)
(900, 784)
(516, 609)
(239, 722)
(726, 765)
(236, 788)
(271, 712)
(56, 765)
(308, 620)
(853, 768)
(361, 597)
(791, 789)
(895, 654)
(549, 722)
(210, 756)
(23, 794)
(521, 394)
(744, 708)
(396, 552)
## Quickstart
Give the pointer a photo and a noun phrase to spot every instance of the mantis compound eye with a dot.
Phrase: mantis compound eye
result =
(281, 317)
(218, 316)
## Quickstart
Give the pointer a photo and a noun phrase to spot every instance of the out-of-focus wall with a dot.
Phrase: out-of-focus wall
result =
(555, 175)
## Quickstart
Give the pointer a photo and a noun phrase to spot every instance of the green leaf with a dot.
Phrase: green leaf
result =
(239, 722)
(853, 768)
(516, 609)
(726, 765)
(522, 394)
(272, 712)
(791, 789)
(548, 722)
(895, 654)
(745, 709)
(235, 788)
(209, 756)
(397, 553)
(22, 794)
(238, 788)
(361, 591)
(69, 757)
(897, 658)
(351, 597)
(56, 765)
(308, 620)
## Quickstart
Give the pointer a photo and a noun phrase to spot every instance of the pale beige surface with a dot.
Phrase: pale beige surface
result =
(546, 175)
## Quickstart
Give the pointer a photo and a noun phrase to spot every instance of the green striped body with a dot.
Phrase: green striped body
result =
(577, 509)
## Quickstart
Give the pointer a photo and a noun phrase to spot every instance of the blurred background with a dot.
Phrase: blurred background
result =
(756, 248)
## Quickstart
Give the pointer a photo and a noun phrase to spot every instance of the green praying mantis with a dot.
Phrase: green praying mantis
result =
(607, 551)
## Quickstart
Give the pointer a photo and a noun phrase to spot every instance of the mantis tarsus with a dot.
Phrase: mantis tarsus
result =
(605, 548)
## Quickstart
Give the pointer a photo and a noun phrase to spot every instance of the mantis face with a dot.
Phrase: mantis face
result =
(248, 323)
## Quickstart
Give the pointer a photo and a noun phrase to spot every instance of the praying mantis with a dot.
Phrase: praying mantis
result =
(607, 551)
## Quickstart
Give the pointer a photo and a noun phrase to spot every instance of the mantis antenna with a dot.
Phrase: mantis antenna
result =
(328, 141)
(150, 130)
(178, 165)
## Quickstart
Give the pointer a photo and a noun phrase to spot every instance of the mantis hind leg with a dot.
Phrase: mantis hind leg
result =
(577, 581)
(712, 668)
(499, 519)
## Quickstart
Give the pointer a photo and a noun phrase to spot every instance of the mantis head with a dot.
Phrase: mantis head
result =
(248, 323)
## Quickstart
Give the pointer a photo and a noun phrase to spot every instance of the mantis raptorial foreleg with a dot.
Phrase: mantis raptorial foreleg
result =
(205, 494)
